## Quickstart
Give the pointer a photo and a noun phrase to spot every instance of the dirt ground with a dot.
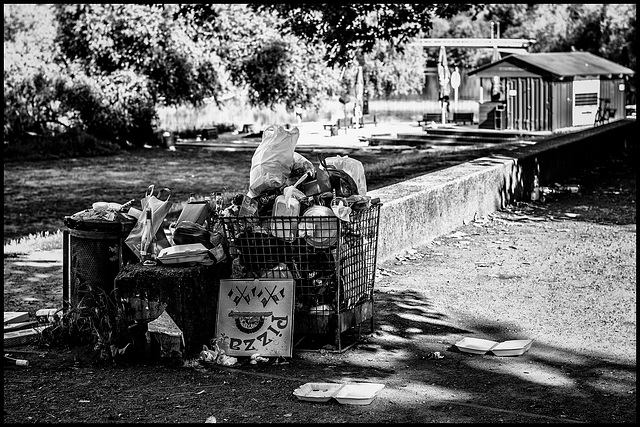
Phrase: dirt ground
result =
(562, 273)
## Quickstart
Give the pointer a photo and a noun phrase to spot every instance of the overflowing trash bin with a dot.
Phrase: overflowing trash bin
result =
(93, 254)
(332, 262)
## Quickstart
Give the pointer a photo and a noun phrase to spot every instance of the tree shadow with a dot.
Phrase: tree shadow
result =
(547, 383)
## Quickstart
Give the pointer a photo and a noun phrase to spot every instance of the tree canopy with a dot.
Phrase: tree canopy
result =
(107, 67)
(346, 29)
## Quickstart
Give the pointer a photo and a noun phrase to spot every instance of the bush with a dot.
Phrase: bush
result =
(118, 107)
(72, 143)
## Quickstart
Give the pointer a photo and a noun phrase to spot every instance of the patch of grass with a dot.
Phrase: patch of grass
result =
(383, 167)
(42, 241)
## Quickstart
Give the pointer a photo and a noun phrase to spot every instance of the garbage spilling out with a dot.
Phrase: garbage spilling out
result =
(300, 244)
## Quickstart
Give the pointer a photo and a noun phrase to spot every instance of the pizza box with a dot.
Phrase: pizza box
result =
(183, 253)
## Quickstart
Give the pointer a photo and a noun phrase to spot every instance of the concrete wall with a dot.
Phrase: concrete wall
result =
(416, 211)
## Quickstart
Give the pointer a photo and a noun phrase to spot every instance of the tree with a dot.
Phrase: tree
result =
(346, 29)
(390, 72)
(606, 30)
(274, 68)
(30, 70)
(149, 40)
(466, 24)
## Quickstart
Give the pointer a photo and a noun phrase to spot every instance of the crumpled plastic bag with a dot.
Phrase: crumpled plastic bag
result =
(341, 209)
(207, 355)
(353, 167)
(216, 355)
(273, 159)
(291, 193)
(301, 166)
(159, 210)
(255, 358)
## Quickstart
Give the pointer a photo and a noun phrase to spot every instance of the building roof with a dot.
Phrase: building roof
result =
(554, 65)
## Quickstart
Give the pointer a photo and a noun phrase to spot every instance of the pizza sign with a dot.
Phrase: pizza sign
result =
(256, 316)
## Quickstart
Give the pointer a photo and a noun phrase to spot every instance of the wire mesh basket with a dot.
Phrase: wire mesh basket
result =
(332, 262)
(93, 255)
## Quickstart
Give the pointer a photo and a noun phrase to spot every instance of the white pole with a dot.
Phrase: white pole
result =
(455, 95)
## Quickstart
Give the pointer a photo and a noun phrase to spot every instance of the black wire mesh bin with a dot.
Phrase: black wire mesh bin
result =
(93, 255)
(332, 262)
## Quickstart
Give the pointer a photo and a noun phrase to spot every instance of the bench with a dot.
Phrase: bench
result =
(463, 118)
(210, 133)
(332, 128)
(248, 128)
(340, 124)
(430, 117)
(368, 119)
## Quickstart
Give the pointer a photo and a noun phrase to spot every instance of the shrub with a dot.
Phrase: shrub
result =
(99, 322)
(72, 143)
(118, 107)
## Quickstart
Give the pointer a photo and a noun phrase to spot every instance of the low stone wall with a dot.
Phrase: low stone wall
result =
(418, 210)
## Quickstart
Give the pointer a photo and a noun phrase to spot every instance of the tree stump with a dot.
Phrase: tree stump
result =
(188, 293)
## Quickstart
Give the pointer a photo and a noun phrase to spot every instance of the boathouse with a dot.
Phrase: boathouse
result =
(550, 91)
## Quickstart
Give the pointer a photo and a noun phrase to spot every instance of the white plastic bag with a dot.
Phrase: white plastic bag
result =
(159, 210)
(272, 161)
(354, 168)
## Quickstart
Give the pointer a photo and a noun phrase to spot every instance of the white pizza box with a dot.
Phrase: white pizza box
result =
(183, 253)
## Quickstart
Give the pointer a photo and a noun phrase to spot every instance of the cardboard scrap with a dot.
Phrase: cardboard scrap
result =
(24, 336)
(15, 316)
(167, 335)
(10, 327)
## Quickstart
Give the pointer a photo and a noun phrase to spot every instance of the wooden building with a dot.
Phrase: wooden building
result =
(550, 91)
